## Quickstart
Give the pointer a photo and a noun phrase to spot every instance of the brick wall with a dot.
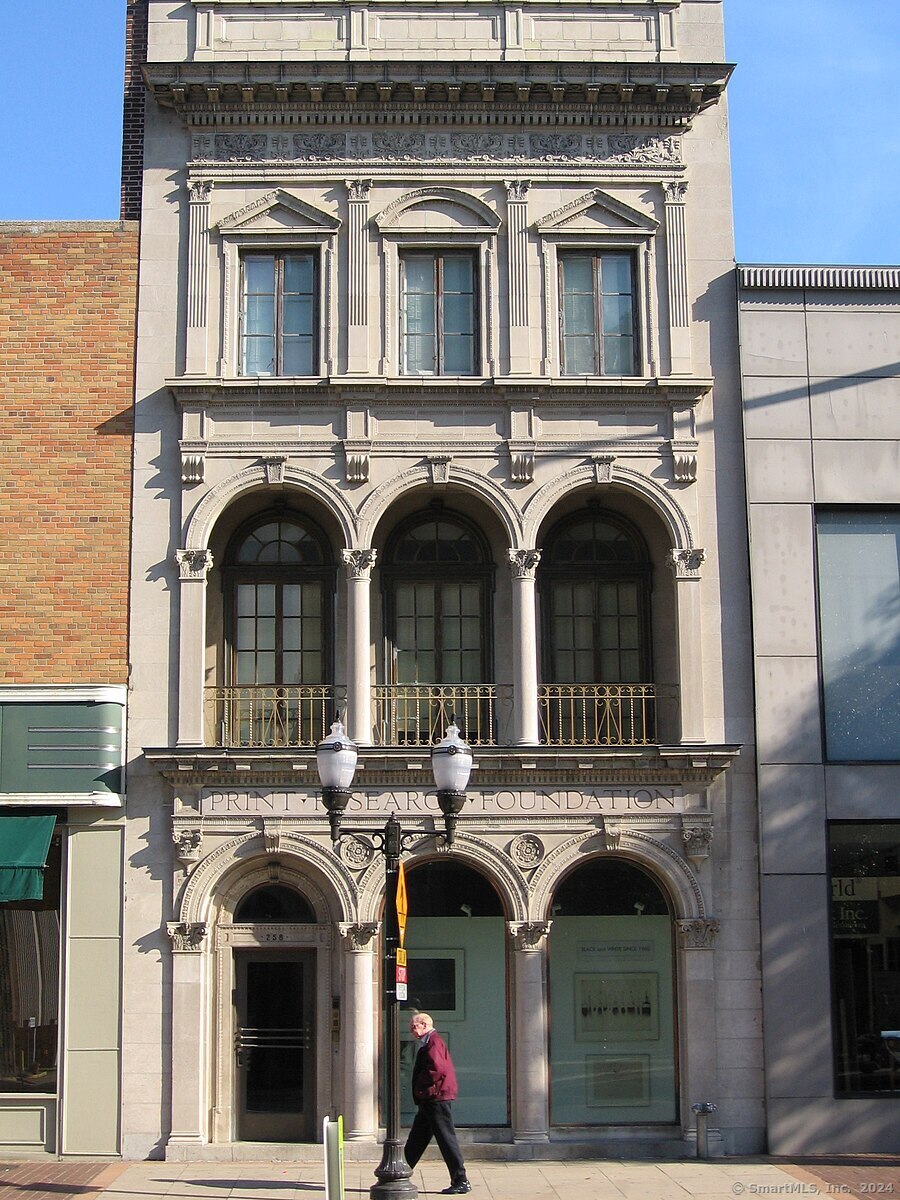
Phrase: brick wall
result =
(67, 312)
(136, 20)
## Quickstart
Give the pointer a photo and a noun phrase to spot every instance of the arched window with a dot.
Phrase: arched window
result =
(279, 587)
(595, 590)
(273, 903)
(437, 578)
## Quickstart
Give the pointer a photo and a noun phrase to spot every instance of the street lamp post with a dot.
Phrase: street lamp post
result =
(451, 763)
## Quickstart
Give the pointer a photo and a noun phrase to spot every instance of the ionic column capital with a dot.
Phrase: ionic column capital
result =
(359, 563)
(529, 935)
(194, 564)
(523, 563)
(357, 937)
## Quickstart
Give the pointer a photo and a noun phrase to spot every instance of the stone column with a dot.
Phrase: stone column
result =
(358, 1028)
(699, 1066)
(517, 234)
(686, 565)
(523, 565)
(198, 278)
(358, 277)
(188, 1036)
(531, 1110)
(359, 565)
(679, 295)
(194, 566)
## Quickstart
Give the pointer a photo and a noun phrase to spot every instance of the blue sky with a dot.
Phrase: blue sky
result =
(813, 110)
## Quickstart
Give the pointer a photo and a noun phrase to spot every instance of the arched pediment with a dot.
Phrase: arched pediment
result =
(279, 211)
(437, 210)
(596, 212)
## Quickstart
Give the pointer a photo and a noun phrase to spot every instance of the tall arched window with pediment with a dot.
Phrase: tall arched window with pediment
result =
(279, 581)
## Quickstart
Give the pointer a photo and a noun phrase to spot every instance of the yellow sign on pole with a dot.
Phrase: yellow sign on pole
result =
(401, 902)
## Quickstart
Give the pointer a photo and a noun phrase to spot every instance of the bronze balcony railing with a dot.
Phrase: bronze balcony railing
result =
(418, 714)
(615, 714)
(270, 717)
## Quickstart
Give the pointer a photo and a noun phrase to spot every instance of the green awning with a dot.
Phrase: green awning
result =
(24, 844)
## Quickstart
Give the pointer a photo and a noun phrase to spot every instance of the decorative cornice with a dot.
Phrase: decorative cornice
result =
(862, 279)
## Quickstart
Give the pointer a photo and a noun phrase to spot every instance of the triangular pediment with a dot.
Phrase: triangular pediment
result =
(597, 212)
(279, 212)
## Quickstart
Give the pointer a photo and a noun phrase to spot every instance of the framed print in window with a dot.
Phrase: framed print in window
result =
(617, 1082)
(437, 983)
(617, 1008)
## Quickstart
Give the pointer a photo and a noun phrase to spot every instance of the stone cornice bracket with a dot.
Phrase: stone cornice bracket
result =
(439, 467)
(521, 461)
(685, 564)
(359, 563)
(684, 460)
(357, 457)
(194, 564)
(523, 563)
(274, 468)
(529, 935)
(193, 468)
(698, 933)
(272, 836)
(358, 937)
(697, 835)
(603, 467)
(187, 846)
(611, 834)
(187, 936)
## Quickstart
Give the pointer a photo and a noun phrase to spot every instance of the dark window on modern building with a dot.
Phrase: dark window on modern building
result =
(279, 314)
(598, 328)
(859, 617)
(865, 931)
(439, 313)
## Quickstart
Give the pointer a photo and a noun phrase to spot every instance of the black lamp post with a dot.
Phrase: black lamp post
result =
(451, 762)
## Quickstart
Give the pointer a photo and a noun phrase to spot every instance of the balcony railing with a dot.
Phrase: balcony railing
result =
(418, 714)
(620, 714)
(272, 717)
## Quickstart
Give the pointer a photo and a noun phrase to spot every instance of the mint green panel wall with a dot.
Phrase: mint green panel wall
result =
(468, 957)
(612, 1027)
(61, 747)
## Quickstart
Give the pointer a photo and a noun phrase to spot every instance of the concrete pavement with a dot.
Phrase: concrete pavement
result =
(719, 1179)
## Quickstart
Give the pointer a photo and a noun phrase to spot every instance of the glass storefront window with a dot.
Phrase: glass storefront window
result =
(29, 987)
(865, 930)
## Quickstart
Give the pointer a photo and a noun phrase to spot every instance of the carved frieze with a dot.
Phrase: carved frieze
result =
(391, 145)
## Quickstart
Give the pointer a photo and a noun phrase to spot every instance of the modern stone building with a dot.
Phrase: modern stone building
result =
(438, 411)
(67, 310)
(820, 355)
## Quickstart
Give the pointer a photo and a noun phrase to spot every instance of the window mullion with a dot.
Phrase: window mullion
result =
(598, 315)
(279, 318)
(438, 314)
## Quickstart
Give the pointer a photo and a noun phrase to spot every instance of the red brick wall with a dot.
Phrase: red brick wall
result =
(67, 313)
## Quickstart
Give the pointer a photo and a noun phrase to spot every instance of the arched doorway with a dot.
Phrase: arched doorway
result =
(274, 1013)
(612, 1008)
(456, 941)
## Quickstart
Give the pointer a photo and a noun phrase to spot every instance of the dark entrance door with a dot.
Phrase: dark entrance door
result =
(275, 1067)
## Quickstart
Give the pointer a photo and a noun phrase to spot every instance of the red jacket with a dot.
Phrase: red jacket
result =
(433, 1076)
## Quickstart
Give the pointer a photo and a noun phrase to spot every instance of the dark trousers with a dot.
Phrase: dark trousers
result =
(434, 1119)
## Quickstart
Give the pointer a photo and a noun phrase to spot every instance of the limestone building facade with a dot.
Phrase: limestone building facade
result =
(820, 348)
(438, 413)
(67, 311)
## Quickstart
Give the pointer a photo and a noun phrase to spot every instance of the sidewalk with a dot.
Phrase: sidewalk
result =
(719, 1179)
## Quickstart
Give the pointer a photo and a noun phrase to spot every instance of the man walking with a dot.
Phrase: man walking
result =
(433, 1088)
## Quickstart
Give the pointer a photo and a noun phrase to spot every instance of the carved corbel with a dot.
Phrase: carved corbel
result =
(187, 936)
(612, 833)
(698, 933)
(272, 835)
(357, 937)
(529, 935)
(684, 460)
(193, 468)
(357, 456)
(696, 835)
(521, 461)
(187, 846)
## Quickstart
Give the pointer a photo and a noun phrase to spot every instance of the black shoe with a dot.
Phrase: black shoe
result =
(457, 1189)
